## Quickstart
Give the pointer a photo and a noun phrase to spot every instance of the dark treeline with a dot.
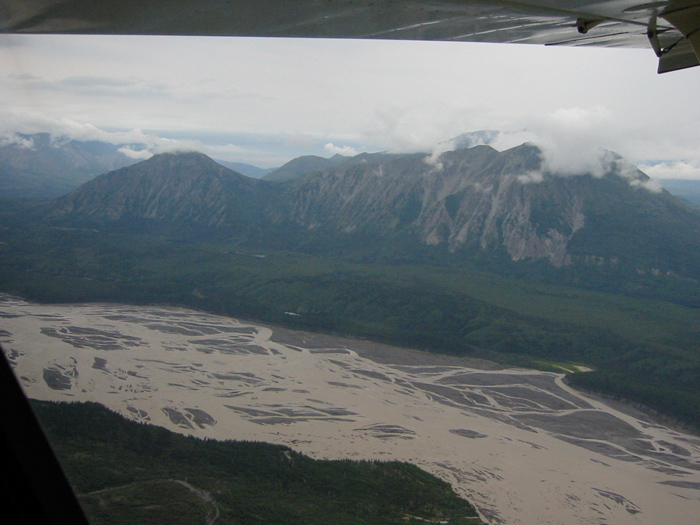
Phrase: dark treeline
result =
(127, 472)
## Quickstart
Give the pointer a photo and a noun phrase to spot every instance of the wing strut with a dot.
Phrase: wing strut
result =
(683, 52)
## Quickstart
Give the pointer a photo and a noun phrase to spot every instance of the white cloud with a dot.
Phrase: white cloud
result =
(415, 128)
(438, 150)
(224, 151)
(635, 177)
(510, 139)
(346, 151)
(9, 138)
(142, 154)
(650, 185)
(136, 144)
(573, 140)
(29, 122)
(687, 170)
(531, 177)
(387, 95)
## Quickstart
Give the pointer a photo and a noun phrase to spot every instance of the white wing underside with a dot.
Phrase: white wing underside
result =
(671, 28)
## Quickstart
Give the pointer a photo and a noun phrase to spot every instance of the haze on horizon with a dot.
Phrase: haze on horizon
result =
(266, 101)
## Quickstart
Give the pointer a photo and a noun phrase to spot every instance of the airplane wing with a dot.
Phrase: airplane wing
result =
(671, 28)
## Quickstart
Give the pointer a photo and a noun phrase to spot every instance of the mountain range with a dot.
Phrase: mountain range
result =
(474, 204)
(42, 166)
(295, 168)
(39, 166)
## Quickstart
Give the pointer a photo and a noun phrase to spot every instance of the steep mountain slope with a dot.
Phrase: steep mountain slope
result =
(425, 197)
(34, 166)
(307, 164)
(185, 189)
(480, 200)
(295, 168)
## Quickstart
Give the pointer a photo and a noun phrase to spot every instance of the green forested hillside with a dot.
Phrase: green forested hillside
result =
(645, 350)
(126, 472)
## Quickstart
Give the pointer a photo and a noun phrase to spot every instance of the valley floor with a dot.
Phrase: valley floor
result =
(519, 444)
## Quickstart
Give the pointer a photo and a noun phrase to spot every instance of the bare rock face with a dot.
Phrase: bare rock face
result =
(496, 203)
(475, 197)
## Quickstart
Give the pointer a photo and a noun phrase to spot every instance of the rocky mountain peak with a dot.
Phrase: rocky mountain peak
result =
(183, 164)
(478, 199)
(174, 187)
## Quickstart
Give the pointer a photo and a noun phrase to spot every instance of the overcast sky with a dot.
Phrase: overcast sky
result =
(265, 101)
